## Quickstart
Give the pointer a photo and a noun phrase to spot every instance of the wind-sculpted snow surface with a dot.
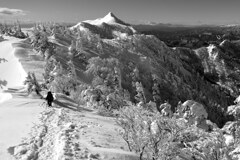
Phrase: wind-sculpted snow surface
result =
(11, 70)
(64, 133)
(12, 73)
(18, 116)
(5, 97)
(48, 139)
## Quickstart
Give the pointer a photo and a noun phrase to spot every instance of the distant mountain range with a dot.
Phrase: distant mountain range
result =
(168, 27)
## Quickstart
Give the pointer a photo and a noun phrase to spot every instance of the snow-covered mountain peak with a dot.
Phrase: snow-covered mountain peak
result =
(110, 18)
(107, 27)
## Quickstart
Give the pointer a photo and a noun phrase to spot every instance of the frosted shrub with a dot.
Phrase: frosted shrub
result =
(63, 84)
(155, 137)
(149, 135)
(32, 83)
(77, 96)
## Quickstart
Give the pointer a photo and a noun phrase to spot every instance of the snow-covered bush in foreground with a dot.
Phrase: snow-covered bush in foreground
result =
(155, 137)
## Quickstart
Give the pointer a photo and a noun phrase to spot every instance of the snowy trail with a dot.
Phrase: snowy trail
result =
(18, 113)
(17, 117)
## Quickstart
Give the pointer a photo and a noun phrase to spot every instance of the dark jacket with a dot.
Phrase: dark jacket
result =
(49, 97)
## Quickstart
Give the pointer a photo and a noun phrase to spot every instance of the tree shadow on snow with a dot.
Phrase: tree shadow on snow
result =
(71, 106)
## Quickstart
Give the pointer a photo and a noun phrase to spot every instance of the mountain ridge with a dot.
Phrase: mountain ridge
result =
(170, 74)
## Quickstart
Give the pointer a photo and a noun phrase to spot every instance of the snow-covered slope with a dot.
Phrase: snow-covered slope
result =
(221, 64)
(178, 73)
(11, 70)
(107, 27)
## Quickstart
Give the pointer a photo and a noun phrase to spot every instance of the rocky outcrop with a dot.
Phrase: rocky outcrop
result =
(191, 112)
(196, 109)
(231, 135)
(221, 64)
(234, 110)
(195, 114)
(166, 110)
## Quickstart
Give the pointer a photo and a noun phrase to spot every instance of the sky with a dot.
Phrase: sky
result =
(131, 11)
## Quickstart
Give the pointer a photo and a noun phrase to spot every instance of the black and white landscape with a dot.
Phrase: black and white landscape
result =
(123, 87)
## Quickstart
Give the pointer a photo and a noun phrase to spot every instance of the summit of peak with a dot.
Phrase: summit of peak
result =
(110, 14)
(111, 18)
(109, 21)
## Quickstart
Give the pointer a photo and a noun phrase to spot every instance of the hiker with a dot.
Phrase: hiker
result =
(49, 98)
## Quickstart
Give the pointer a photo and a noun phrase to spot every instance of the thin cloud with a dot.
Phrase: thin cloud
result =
(12, 12)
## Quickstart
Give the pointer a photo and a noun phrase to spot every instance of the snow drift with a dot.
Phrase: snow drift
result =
(11, 70)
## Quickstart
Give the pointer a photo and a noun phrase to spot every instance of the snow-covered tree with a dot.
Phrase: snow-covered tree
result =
(140, 97)
(153, 136)
(32, 83)
(155, 89)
